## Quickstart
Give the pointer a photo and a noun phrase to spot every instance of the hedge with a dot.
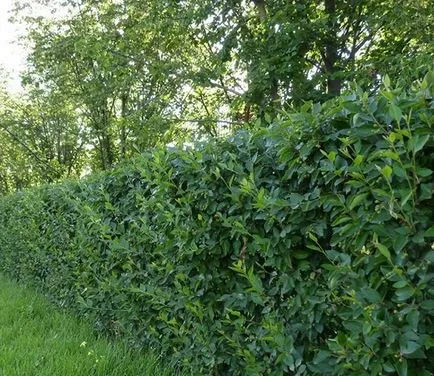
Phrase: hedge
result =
(300, 249)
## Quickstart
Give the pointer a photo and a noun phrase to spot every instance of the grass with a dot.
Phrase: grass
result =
(38, 339)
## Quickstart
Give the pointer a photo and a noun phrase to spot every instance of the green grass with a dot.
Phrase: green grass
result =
(38, 339)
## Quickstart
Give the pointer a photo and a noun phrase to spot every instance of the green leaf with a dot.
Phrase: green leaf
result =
(404, 293)
(341, 220)
(401, 367)
(413, 319)
(399, 171)
(352, 107)
(408, 193)
(300, 255)
(418, 142)
(358, 160)
(388, 367)
(357, 200)
(390, 337)
(400, 284)
(387, 172)
(321, 356)
(426, 191)
(332, 156)
(429, 233)
(261, 201)
(395, 112)
(423, 172)
(361, 119)
(429, 342)
(390, 154)
(430, 256)
(388, 94)
(408, 345)
(427, 305)
(295, 199)
(384, 251)
(378, 193)
(371, 295)
(255, 281)
(386, 81)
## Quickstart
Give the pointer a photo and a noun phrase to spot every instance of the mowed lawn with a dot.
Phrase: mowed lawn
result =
(38, 339)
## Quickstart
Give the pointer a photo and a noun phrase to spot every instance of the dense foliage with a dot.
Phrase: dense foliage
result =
(108, 78)
(303, 248)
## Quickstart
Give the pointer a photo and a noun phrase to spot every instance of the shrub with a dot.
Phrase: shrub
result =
(303, 248)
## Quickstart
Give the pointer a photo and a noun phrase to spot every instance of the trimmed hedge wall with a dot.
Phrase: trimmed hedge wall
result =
(305, 248)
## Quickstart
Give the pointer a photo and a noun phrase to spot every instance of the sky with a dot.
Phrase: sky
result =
(12, 56)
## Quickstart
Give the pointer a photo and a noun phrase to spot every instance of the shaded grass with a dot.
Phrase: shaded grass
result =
(37, 339)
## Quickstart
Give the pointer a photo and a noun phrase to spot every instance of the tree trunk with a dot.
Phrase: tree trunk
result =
(102, 127)
(331, 56)
(273, 90)
(123, 140)
(262, 10)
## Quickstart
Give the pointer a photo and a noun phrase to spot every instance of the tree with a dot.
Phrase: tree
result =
(124, 75)
(40, 139)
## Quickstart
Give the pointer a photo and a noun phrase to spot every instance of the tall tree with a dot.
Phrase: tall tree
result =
(134, 74)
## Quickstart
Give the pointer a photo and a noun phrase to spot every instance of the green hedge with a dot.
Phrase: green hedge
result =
(304, 248)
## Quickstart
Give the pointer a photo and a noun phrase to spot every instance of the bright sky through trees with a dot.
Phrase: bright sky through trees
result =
(12, 55)
(12, 51)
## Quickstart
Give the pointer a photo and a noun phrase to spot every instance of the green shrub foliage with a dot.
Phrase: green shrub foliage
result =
(304, 248)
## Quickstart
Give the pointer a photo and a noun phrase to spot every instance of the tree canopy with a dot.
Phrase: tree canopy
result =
(106, 79)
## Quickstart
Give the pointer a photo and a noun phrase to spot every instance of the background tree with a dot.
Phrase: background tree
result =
(41, 140)
(106, 78)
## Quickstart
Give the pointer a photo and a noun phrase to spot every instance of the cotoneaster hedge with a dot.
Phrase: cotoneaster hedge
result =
(301, 249)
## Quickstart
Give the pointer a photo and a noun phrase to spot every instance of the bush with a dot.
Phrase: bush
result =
(304, 248)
